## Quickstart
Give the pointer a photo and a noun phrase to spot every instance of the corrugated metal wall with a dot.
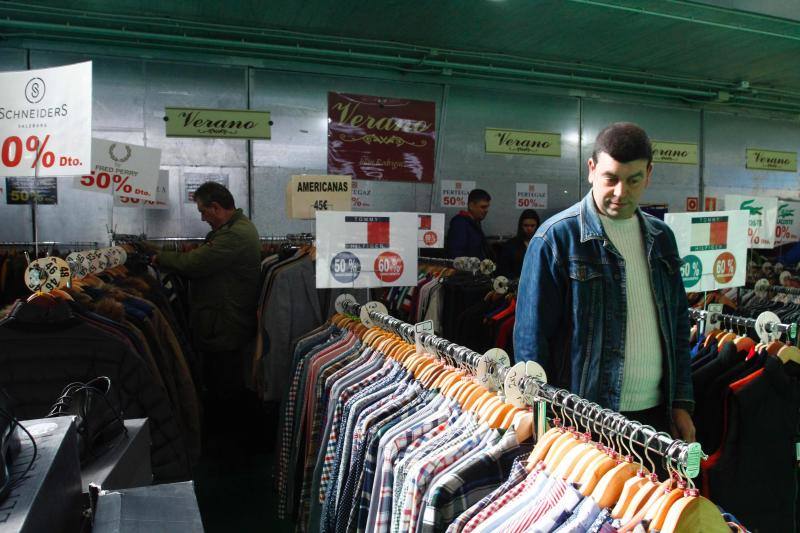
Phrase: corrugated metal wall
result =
(130, 96)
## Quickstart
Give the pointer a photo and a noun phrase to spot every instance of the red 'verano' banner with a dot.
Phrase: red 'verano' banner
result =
(374, 138)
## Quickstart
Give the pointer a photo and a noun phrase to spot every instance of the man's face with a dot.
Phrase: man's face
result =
(529, 226)
(478, 209)
(212, 214)
(617, 187)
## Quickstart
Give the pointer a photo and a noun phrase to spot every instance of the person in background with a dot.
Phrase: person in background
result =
(513, 251)
(465, 236)
(224, 275)
(601, 303)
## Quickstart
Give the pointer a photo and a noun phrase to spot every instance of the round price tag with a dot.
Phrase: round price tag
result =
(500, 285)
(497, 356)
(46, 274)
(389, 267)
(367, 308)
(765, 318)
(342, 300)
(78, 265)
(691, 271)
(430, 238)
(487, 267)
(511, 388)
(345, 267)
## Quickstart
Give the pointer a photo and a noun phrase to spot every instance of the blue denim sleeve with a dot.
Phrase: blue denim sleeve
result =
(684, 391)
(539, 303)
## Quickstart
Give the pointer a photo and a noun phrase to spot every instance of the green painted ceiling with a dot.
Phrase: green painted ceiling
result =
(670, 48)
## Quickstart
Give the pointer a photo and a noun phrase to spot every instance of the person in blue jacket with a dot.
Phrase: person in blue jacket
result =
(465, 236)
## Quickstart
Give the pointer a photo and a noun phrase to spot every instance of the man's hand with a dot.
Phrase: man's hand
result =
(682, 425)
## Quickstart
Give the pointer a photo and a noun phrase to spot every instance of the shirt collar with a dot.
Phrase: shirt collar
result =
(592, 227)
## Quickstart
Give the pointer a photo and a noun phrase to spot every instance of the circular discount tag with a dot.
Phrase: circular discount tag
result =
(430, 238)
(500, 285)
(762, 321)
(498, 356)
(691, 271)
(367, 308)
(389, 267)
(724, 267)
(46, 274)
(342, 300)
(514, 394)
(345, 267)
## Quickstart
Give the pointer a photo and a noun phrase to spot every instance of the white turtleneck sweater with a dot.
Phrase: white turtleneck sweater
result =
(641, 379)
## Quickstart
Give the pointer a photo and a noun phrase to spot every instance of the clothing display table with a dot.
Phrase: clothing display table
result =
(159, 508)
(125, 466)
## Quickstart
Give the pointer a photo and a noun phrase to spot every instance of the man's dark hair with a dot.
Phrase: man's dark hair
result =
(478, 195)
(625, 142)
(212, 191)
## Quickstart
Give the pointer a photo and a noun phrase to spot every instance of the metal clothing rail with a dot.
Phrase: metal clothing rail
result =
(48, 243)
(735, 320)
(681, 453)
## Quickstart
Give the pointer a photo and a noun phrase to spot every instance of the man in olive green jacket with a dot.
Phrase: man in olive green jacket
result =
(224, 275)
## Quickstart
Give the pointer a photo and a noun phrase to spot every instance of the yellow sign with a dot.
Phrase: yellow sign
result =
(679, 153)
(522, 142)
(305, 195)
(771, 160)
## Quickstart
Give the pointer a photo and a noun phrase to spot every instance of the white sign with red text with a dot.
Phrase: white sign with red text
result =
(431, 230)
(531, 196)
(456, 192)
(122, 169)
(358, 249)
(788, 228)
(162, 196)
(763, 222)
(46, 121)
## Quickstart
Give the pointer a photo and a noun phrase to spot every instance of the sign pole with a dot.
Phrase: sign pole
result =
(35, 202)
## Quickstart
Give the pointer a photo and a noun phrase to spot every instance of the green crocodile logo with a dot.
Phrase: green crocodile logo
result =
(784, 211)
(754, 210)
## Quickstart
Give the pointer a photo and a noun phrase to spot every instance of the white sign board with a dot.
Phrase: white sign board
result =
(366, 249)
(531, 196)
(431, 230)
(362, 194)
(713, 247)
(763, 217)
(161, 200)
(455, 193)
(307, 194)
(192, 180)
(788, 224)
(122, 169)
(46, 121)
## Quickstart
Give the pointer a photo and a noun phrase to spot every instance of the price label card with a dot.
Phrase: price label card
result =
(359, 250)
(161, 200)
(362, 194)
(531, 196)
(43, 191)
(456, 192)
(419, 328)
(305, 195)
(763, 211)
(46, 121)
(713, 247)
(122, 169)
(431, 230)
(788, 225)
(193, 180)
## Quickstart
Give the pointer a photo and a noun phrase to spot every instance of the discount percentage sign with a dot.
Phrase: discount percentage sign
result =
(12, 151)
(104, 180)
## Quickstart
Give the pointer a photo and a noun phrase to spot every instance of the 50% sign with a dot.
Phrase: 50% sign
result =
(104, 180)
(14, 150)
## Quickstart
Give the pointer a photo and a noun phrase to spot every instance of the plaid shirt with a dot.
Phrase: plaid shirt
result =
(305, 349)
(418, 479)
(394, 451)
(501, 501)
(517, 475)
(550, 497)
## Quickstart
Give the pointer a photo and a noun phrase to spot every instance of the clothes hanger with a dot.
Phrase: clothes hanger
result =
(573, 456)
(657, 513)
(636, 482)
(650, 492)
(693, 512)
(609, 488)
(597, 469)
(566, 442)
(546, 441)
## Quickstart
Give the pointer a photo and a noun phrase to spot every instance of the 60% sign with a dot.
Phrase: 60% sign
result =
(104, 180)
(13, 150)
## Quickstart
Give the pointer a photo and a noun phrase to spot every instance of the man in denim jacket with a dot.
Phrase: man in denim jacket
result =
(601, 302)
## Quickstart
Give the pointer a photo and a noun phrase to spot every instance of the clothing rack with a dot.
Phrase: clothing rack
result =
(701, 315)
(289, 237)
(463, 264)
(49, 243)
(685, 455)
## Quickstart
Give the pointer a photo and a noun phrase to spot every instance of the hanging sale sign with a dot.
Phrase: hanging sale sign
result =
(305, 195)
(763, 217)
(531, 196)
(366, 249)
(713, 247)
(431, 230)
(122, 169)
(43, 191)
(499, 141)
(672, 152)
(788, 225)
(161, 200)
(46, 121)
(362, 194)
(192, 180)
(375, 138)
(771, 160)
(456, 192)
(218, 123)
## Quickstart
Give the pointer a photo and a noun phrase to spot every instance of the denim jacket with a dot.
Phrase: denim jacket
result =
(571, 307)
